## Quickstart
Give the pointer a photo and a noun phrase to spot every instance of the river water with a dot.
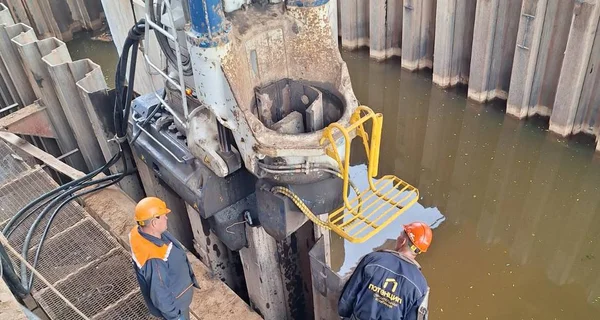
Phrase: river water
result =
(517, 209)
(521, 235)
(102, 53)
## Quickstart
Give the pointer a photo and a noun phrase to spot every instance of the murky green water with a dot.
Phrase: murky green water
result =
(102, 53)
(521, 235)
(521, 239)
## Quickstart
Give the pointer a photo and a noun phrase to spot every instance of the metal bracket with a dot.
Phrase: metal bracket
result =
(159, 143)
(31, 120)
(529, 18)
(248, 219)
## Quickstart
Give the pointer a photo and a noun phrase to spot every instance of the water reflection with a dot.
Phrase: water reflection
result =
(522, 235)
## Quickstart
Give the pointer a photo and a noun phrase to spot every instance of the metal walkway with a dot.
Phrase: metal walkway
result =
(81, 259)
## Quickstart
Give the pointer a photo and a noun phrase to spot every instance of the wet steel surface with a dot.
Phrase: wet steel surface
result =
(521, 236)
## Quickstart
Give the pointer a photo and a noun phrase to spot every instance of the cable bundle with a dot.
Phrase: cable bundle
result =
(54, 200)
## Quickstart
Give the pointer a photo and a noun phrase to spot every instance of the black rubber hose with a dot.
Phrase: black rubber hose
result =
(55, 213)
(15, 225)
(116, 178)
(31, 212)
(121, 70)
(163, 41)
(134, 36)
(8, 269)
(61, 188)
(119, 76)
(25, 249)
(129, 95)
(9, 274)
(122, 103)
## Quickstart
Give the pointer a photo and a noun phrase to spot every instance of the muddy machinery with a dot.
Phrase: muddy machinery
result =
(257, 118)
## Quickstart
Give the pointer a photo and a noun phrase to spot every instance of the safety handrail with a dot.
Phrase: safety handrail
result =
(372, 151)
(364, 215)
(172, 35)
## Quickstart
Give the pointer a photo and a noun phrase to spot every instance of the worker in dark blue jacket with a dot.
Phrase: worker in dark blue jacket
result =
(389, 284)
(163, 271)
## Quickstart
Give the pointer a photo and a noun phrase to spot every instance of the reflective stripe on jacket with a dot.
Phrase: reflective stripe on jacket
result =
(384, 286)
(163, 272)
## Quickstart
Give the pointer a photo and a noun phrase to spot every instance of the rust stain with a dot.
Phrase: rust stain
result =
(296, 44)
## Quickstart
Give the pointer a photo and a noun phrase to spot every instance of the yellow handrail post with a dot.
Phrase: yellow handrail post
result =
(372, 209)
(375, 145)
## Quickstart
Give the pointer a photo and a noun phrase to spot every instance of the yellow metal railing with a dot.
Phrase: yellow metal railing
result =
(369, 211)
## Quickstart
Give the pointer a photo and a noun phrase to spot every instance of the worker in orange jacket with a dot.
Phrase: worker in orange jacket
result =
(389, 284)
(160, 262)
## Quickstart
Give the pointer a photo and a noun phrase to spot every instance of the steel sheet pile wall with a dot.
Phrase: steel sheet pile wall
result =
(39, 75)
(539, 55)
(57, 18)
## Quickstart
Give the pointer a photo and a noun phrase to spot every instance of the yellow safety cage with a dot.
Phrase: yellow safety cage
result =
(368, 211)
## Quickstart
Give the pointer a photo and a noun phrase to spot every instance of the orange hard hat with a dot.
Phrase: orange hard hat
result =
(148, 208)
(420, 235)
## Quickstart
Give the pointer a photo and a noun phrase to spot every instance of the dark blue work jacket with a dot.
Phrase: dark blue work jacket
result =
(164, 274)
(385, 286)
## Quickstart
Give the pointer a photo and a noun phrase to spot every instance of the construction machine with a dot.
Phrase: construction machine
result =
(252, 122)
(256, 119)
(255, 126)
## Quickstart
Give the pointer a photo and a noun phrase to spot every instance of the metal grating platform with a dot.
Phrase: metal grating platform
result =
(11, 165)
(73, 249)
(67, 217)
(131, 308)
(83, 260)
(18, 192)
(94, 288)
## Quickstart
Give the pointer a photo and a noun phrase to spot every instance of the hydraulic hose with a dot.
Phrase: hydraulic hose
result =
(7, 267)
(66, 193)
(55, 213)
(132, 43)
(88, 176)
(306, 168)
(9, 274)
(31, 212)
(25, 249)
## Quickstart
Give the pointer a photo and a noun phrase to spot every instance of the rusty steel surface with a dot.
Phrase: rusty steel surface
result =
(267, 45)
(31, 120)
(285, 47)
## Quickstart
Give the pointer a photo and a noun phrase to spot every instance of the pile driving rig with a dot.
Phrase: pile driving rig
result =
(256, 120)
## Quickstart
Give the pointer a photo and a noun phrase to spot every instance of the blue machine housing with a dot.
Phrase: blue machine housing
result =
(208, 22)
